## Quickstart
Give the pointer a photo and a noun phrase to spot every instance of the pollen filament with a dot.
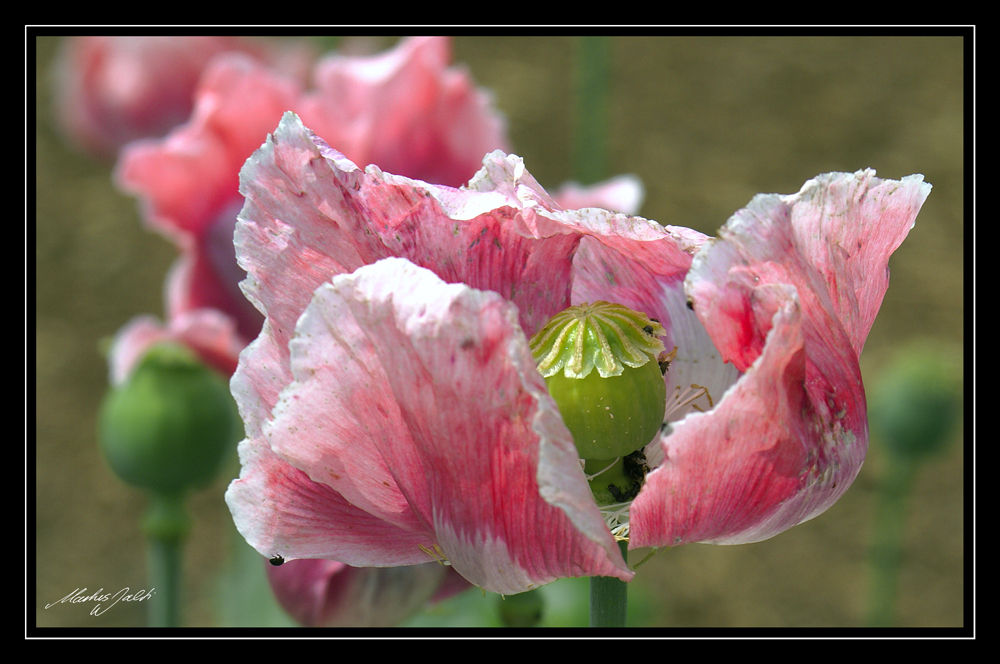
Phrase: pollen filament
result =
(616, 518)
(676, 407)
(437, 554)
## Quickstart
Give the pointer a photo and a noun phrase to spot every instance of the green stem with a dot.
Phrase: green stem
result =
(608, 598)
(593, 75)
(166, 526)
(887, 544)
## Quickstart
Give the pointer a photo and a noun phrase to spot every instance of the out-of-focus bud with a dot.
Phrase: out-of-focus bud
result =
(521, 610)
(168, 426)
(917, 400)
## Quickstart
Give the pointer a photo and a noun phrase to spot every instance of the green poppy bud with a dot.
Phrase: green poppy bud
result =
(599, 361)
(917, 401)
(167, 427)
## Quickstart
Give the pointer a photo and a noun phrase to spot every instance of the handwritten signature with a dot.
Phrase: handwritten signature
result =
(78, 596)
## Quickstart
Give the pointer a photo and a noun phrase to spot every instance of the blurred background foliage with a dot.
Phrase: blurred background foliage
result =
(706, 123)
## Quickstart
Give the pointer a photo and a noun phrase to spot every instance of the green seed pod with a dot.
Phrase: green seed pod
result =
(599, 361)
(168, 426)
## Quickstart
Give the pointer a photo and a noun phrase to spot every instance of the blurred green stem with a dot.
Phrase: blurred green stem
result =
(887, 543)
(609, 598)
(593, 75)
(166, 526)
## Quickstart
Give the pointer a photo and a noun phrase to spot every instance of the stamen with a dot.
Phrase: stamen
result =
(685, 398)
(711, 402)
(437, 554)
(616, 518)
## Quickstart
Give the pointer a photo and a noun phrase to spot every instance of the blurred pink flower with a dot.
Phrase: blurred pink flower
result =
(392, 407)
(405, 110)
(208, 333)
(325, 593)
(113, 90)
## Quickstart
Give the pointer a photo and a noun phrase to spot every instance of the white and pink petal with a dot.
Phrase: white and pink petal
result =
(418, 402)
(279, 511)
(313, 210)
(783, 295)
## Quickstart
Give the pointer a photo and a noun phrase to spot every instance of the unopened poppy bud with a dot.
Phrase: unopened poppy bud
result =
(918, 400)
(599, 361)
(168, 425)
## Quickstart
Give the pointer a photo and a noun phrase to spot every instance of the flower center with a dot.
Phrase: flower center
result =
(600, 362)
(615, 485)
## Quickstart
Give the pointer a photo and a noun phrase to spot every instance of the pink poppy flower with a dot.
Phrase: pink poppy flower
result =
(405, 110)
(208, 333)
(392, 407)
(326, 593)
(113, 90)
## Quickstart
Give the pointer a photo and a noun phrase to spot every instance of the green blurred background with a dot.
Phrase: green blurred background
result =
(706, 123)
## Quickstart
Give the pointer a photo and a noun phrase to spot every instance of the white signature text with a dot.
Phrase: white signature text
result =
(102, 598)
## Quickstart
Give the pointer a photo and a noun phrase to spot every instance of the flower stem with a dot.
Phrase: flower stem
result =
(608, 597)
(166, 526)
(887, 546)
(591, 108)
